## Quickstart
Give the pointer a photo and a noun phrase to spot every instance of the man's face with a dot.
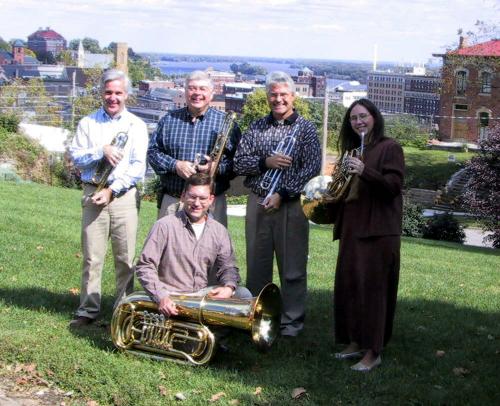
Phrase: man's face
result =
(280, 99)
(114, 96)
(198, 96)
(197, 200)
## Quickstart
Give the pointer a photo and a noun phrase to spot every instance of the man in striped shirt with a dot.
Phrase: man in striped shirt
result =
(184, 135)
(275, 222)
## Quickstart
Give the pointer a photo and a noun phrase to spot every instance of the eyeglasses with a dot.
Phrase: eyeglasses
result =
(362, 117)
(190, 198)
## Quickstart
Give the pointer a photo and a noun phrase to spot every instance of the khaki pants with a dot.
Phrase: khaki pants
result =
(286, 233)
(171, 204)
(118, 221)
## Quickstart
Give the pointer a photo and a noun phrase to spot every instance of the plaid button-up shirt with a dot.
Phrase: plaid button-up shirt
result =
(261, 140)
(178, 137)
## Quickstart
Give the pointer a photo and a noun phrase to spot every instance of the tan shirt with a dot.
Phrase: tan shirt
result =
(174, 261)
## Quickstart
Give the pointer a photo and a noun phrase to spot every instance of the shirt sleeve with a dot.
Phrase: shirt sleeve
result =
(308, 165)
(247, 160)
(160, 161)
(83, 151)
(137, 159)
(388, 182)
(225, 263)
(148, 265)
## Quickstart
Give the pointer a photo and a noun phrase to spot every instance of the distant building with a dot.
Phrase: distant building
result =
(88, 60)
(309, 85)
(219, 78)
(408, 92)
(347, 92)
(162, 99)
(470, 98)
(147, 85)
(121, 56)
(236, 93)
(17, 56)
(46, 40)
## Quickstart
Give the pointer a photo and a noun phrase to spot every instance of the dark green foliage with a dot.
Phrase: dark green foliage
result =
(9, 122)
(151, 188)
(444, 227)
(413, 220)
(248, 69)
(406, 130)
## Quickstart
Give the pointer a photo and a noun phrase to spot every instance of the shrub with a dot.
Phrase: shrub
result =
(9, 122)
(413, 220)
(444, 227)
(150, 188)
(406, 130)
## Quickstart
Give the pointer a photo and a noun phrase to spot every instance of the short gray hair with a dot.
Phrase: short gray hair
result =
(114, 74)
(279, 78)
(198, 75)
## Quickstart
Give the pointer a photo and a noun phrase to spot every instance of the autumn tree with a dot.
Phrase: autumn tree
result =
(482, 191)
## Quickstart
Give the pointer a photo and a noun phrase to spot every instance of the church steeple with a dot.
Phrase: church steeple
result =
(81, 55)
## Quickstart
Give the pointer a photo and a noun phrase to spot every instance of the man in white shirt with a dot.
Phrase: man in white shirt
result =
(113, 210)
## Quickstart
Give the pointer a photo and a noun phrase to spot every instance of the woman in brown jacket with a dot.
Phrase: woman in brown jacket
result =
(368, 224)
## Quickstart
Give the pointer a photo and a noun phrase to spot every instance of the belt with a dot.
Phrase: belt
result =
(121, 193)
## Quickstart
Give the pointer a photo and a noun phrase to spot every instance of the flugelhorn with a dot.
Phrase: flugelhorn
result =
(104, 167)
(139, 328)
(221, 141)
(272, 176)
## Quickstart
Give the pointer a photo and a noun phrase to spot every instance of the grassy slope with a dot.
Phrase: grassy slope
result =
(449, 300)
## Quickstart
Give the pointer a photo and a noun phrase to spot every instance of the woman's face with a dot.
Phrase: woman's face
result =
(361, 120)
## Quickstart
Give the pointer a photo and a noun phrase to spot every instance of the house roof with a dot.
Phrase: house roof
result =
(46, 34)
(489, 48)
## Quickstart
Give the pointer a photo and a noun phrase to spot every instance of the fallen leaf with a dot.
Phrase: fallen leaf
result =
(92, 403)
(234, 402)
(39, 247)
(49, 372)
(460, 371)
(163, 390)
(78, 255)
(298, 393)
(22, 380)
(180, 396)
(217, 396)
(258, 391)
(440, 353)
(74, 291)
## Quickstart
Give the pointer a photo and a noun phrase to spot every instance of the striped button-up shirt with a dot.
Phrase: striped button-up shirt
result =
(180, 137)
(98, 129)
(261, 140)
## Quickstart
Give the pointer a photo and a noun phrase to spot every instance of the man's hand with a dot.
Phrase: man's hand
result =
(167, 307)
(278, 161)
(112, 154)
(272, 203)
(102, 198)
(205, 168)
(185, 169)
(221, 292)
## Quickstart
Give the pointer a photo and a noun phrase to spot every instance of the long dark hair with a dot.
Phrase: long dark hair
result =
(348, 138)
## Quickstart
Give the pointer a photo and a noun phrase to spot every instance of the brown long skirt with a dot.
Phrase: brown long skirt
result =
(366, 287)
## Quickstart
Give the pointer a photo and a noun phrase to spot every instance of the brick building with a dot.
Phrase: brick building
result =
(46, 41)
(470, 99)
(309, 85)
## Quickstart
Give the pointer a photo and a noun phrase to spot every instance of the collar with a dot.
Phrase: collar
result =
(185, 219)
(288, 121)
(192, 118)
(107, 117)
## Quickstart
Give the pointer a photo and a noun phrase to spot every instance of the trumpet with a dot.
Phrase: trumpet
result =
(272, 176)
(104, 168)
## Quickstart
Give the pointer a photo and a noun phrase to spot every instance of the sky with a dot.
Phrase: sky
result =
(404, 31)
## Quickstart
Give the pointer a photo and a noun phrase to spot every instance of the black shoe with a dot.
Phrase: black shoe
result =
(80, 321)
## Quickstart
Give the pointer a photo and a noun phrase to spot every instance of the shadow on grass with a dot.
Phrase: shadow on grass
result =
(412, 372)
(451, 245)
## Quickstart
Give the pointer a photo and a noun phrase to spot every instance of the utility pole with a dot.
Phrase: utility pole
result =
(325, 129)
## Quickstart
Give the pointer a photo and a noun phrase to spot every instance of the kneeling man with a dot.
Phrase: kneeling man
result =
(188, 252)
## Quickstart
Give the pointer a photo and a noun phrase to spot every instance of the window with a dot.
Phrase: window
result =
(461, 82)
(462, 107)
(484, 119)
(485, 78)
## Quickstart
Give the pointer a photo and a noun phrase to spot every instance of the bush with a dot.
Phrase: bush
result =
(413, 220)
(9, 122)
(407, 131)
(151, 188)
(444, 227)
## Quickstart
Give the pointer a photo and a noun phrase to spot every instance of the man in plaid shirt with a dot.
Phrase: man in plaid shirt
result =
(185, 135)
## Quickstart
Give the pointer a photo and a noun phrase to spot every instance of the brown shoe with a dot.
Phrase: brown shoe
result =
(80, 321)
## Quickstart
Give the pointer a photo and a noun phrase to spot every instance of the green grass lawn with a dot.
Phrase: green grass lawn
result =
(449, 300)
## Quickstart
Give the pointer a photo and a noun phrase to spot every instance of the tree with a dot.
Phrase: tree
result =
(336, 114)
(90, 45)
(256, 107)
(5, 46)
(90, 100)
(46, 57)
(482, 191)
(66, 58)
(407, 130)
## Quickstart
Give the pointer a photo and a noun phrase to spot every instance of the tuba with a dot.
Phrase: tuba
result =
(220, 142)
(139, 328)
